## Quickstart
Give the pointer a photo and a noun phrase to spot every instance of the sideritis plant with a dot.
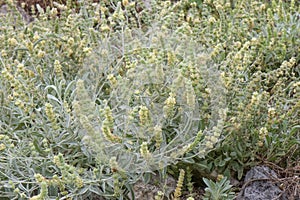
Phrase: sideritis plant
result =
(145, 98)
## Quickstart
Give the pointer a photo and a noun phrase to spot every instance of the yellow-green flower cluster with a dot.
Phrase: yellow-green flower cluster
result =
(12, 42)
(159, 195)
(54, 181)
(107, 133)
(5, 142)
(118, 172)
(158, 137)
(196, 140)
(271, 113)
(132, 113)
(112, 79)
(118, 14)
(179, 185)
(43, 193)
(193, 73)
(33, 149)
(189, 183)
(296, 89)
(169, 107)
(109, 117)
(115, 168)
(257, 103)
(69, 173)
(212, 139)
(190, 94)
(144, 116)
(220, 177)
(294, 110)
(58, 70)
(171, 57)
(2, 147)
(263, 132)
(51, 115)
(117, 185)
(285, 69)
(21, 85)
(144, 151)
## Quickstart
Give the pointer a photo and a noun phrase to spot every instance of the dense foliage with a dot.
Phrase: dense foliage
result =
(98, 96)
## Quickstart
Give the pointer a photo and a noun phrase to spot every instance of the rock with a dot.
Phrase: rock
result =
(261, 189)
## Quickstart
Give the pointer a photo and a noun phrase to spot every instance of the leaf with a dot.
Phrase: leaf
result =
(188, 160)
(240, 173)
(37, 147)
(208, 182)
(70, 88)
(95, 190)
(294, 129)
(203, 166)
(49, 96)
(83, 190)
(130, 189)
(233, 154)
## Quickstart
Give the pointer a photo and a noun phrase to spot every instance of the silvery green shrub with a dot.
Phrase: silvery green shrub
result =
(147, 97)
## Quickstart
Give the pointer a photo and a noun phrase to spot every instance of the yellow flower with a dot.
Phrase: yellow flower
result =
(108, 134)
(158, 136)
(220, 177)
(2, 146)
(170, 103)
(144, 115)
(112, 79)
(144, 151)
(190, 94)
(41, 54)
(125, 2)
(39, 178)
(78, 182)
(12, 41)
(179, 185)
(104, 28)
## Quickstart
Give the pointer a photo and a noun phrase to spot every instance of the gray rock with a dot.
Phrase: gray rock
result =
(261, 189)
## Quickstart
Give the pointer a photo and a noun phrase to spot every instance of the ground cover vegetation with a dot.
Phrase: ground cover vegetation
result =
(97, 95)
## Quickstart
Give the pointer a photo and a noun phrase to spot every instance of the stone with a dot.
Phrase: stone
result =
(261, 189)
